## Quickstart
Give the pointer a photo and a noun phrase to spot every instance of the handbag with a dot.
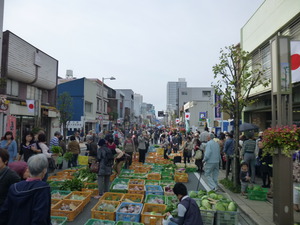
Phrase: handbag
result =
(95, 167)
(198, 155)
(51, 164)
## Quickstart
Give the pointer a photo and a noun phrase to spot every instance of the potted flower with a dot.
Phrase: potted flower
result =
(286, 139)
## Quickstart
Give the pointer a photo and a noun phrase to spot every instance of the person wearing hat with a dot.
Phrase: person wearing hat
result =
(21, 168)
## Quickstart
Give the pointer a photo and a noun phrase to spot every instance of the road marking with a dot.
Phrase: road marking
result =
(202, 182)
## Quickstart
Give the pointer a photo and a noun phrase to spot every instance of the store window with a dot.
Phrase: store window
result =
(12, 87)
(88, 107)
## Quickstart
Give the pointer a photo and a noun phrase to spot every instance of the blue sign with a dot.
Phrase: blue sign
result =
(218, 113)
(202, 116)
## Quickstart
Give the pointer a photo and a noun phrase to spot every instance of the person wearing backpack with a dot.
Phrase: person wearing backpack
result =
(105, 157)
(129, 149)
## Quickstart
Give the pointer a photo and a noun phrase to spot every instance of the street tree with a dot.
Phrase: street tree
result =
(65, 107)
(236, 75)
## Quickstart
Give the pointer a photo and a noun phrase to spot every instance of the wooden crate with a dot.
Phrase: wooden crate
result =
(54, 202)
(182, 177)
(102, 215)
(71, 215)
(131, 186)
(149, 219)
(153, 176)
(137, 198)
(87, 196)
(112, 196)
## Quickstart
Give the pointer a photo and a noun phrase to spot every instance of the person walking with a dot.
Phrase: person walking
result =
(187, 150)
(175, 143)
(55, 140)
(248, 154)
(91, 148)
(8, 143)
(28, 147)
(212, 159)
(229, 152)
(129, 149)
(74, 148)
(142, 148)
(105, 157)
(29, 201)
(41, 144)
(164, 143)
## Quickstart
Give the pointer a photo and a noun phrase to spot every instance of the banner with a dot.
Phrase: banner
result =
(187, 116)
(11, 124)
(4, 104)
(218, 113)
(295, 61)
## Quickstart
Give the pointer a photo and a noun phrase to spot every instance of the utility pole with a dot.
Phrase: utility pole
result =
(1, 38)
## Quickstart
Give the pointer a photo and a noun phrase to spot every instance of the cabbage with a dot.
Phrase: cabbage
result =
(257, 188)
(232, 207)
(220, 207)
(205, 203)
(213, 196)
(193, 194)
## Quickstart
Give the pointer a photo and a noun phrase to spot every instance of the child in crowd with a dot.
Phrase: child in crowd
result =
(244, 177)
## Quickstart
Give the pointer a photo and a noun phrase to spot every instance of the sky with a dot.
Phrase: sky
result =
(142, 43)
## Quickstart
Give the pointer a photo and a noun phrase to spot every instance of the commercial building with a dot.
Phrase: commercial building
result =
(272, 18)
(128, 106)
(172, 95)
(29, 74)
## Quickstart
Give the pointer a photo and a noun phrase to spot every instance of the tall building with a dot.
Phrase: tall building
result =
(172, 94)
(138, 100)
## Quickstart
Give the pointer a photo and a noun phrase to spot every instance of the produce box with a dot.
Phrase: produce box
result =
(155, 199)
(100, 222)
(154, 176)
(129, 212)
(137, 198)
(136, 189)
(59, 178)
(180, 170)
(191, 167)
(75, 205)
(139, 175)
(258, 195)
(129, 171)
(227, 218)
(181, 177)
(208, 217)
(160, 151)
(127, 223)
(105, 210)
(180, 165)
(153, 213)
(54, 202)
(154, 190)
(66, 172)
(136, 181)
(152, 182)
(112, 177)
(119, 185)
(164, 183)
(92, 187)
(112, 196)
(58, 194)
(84, 196)
(141, 170)
(168, 190)
(58, 220)
(55, 185)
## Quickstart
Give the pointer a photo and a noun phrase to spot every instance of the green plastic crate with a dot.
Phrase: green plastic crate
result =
(208, 217)
(149, 197)
(171, 200)
(61, 220)
(103, 222)
(258, 195)
(118, 181)
(152, 182)
(227, 218)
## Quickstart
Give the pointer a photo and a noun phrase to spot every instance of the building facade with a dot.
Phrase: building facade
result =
(27, 74)
(172, 95)
(128, 106)
(280, 17)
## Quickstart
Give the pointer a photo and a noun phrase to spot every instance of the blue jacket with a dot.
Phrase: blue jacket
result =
(27, 203)
(212, 152)
(12, 149)
(229, 146)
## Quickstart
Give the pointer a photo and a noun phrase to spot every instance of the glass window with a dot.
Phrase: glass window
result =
(183, 93)
(88, 107)
(206, 93)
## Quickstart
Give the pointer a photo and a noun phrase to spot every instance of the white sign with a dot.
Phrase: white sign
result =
(177, 120)
(74, 125)
(187, 116)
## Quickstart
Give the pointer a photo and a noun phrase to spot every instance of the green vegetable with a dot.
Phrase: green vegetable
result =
(68, 156)
(205, 203)
(232, 207)
(220, 206)
(213, 196)
(193, 194)
(257, 188)
(56, 149)
(72, 185)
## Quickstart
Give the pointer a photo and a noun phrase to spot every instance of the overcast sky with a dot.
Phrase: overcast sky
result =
(143, 43)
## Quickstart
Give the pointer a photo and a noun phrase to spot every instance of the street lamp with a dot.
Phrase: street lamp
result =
(102, 99)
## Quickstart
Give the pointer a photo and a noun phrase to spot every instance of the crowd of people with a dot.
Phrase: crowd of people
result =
(26, 169)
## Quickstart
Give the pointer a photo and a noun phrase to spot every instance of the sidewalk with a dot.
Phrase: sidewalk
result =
(259, 212)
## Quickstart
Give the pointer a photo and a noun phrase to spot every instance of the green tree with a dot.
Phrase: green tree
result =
(65, 107)
(236, 75)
